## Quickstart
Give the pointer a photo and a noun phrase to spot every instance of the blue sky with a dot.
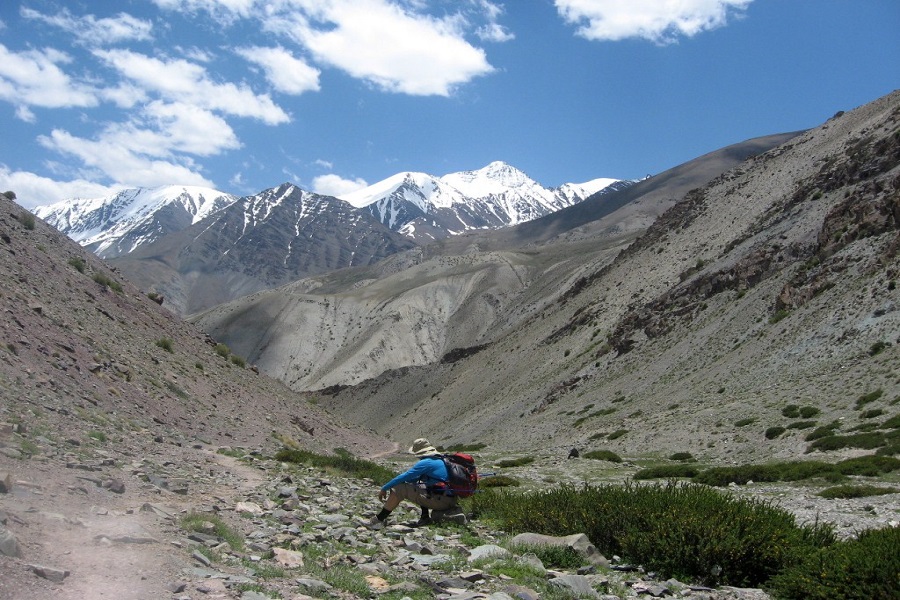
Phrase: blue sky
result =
(243, 95)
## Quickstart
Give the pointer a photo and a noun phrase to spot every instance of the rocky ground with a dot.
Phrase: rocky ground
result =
(99, 523)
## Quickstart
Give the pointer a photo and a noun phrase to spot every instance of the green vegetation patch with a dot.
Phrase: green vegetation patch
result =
(212, 524)
(607, 455)
(684, 531)
(857, 491)
(497, 481)
(342, 462)
(866, 567)
(868, 398)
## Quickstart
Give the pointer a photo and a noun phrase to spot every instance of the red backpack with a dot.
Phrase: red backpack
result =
(463, 476)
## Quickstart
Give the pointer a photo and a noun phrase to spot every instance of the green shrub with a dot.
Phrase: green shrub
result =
(678, 530)
(864, 568)
(892, 423)
(222, 350)
(865, 440)
(165, 344)
(871, 413)
(555, 557)
(27, 220)
(515, 462)
(867, 398)
(667, 472)
(779, 315)
(856, 491)
(617, 434)
(78, 263)
(808, 412)
(681, 456)
(878, 348)
(238, 361)
(497, 481)
(607, 455)
(774, 432)
(744, 422)
(823, 431)
(106, 282)
(791, 411)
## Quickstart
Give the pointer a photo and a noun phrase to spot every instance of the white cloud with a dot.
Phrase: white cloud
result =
(92, 31)
(154, 148)
(35, 190)
(396, 50)
(285, 72)
(335, 185)
(325, 164)
(660, 21)
(34, 78)
(189, 83)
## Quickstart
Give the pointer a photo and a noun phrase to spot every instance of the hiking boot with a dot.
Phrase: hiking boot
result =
(374, 524)
(423, 522)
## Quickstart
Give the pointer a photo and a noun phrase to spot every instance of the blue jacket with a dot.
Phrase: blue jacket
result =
(429, 469)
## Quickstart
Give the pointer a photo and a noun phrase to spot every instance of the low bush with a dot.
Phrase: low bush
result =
(870, 465)
(684, 531)
(165, 344)
(808, 412)
(469, 447)
(867, 398)
(892, 423)
(801, 425)
(223, 350)
(667, 472)
(774, 432)
(871, 413)
(77, 263)
(856, 491)
(791, 411)
(865, 440)
(108, 283)
(681, 456)
(555, 557)
(607, 455)
(493, 481)
(617, 434)
(823, 431)
(744, 422)
(864, 568)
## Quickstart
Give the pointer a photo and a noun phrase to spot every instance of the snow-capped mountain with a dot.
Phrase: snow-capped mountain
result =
(118, 224)
(424, 207)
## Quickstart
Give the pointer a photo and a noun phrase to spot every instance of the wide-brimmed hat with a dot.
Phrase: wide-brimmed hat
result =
(422, 447)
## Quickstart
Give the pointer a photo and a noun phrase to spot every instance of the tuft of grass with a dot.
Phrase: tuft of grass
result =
(744, 422)
(166, 344)
(197, 522)
(77, 263)
(867, 398)
(497, 481)
(223, 350)
(617, 434)
(107, 282)
(514, 462)
(607, 455)
(342, 462)
(856, 491)
(97, 435)
(27, 220)
(238, 361)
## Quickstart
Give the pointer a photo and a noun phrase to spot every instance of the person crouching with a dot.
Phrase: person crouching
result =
(424, 484)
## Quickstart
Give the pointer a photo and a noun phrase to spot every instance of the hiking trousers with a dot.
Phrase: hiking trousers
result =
(419, 495)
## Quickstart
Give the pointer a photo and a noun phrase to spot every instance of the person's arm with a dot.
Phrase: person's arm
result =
(413, 474)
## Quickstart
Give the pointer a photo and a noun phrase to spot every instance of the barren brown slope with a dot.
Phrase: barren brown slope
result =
(773, 285)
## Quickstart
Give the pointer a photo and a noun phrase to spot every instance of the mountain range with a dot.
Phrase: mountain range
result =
(688, 311)
(199, 247)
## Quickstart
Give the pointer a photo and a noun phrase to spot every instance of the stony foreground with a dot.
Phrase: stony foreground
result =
(91, 529)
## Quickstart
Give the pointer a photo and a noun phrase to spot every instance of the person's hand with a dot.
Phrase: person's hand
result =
(382, 495)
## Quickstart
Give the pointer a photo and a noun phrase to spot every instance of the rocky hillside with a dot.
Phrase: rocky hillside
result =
(773, 285)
